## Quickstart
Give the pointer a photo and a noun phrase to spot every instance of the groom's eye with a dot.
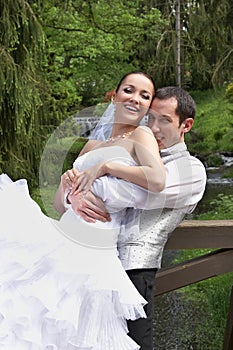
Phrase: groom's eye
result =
(150, 117)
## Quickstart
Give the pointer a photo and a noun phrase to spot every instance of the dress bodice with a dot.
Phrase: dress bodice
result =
(71, 221)
(112, 153)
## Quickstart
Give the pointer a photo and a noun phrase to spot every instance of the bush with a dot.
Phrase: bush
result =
(229, 92)
(214, 160)
(59, 156)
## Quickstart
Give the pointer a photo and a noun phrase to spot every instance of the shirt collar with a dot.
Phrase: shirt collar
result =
(177, 151)
(178, 147)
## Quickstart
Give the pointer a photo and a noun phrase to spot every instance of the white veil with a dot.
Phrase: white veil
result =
(103, 129)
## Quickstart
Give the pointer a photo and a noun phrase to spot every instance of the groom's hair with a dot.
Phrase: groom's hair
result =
(186, 106)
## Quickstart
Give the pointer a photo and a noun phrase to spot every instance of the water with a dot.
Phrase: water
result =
(215, 185)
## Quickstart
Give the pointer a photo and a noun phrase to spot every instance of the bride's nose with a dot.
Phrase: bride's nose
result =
(135, 97)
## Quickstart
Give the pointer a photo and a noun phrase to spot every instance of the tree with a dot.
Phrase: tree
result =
(210, 39)
(206, 41)
(91, 44)
(21, 51)
(57, 57)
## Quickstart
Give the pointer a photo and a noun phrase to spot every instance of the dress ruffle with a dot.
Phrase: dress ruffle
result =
(57, 293)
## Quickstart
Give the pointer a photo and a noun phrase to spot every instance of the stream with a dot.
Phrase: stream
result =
(175, 318)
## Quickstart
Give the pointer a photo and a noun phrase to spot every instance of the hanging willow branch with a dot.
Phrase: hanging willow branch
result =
(21, 50)
(220, 65)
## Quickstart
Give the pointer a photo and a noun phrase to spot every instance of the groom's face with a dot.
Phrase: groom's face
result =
(165, 123)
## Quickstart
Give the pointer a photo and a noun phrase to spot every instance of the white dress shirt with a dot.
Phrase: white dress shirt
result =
(144, 233)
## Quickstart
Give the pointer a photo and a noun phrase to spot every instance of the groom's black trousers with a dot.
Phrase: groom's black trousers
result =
(141, 330)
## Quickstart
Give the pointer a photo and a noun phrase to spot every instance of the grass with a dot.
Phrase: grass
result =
(212, 294)
(213, 127)
(44, 197)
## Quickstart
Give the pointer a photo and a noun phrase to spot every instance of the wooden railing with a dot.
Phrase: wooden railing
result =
(195, 234)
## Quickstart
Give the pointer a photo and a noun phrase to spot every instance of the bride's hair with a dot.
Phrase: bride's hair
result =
(136, 72)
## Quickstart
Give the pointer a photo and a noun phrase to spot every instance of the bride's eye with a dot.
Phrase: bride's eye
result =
(146, 96)
(127, 90)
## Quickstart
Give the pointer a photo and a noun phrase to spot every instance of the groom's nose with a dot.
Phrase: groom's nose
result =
(153, 125)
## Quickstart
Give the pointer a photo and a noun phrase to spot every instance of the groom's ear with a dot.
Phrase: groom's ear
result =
(187, 124)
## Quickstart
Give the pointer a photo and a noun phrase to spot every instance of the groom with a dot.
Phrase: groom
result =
(145, 233)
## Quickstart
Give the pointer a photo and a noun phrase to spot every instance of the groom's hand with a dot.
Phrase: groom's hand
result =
(89, 207)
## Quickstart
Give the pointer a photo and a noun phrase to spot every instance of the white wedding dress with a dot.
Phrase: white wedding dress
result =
(62, 286)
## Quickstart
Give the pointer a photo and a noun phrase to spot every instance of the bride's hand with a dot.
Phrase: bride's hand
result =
(87, 177)
(68, 179)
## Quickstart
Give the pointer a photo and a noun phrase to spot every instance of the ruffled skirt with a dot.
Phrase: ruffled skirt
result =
(57, 290)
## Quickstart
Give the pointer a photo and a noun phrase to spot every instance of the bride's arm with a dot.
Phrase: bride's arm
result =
(67, 179)
(149, 174)
(63, 190)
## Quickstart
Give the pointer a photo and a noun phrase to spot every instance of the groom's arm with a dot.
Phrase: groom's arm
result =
(108, 194)
(182, 190)
(89, 206)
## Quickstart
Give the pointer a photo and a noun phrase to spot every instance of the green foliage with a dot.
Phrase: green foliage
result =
(229, 91)
(57, 57)
(210, 54)
(228, 173)
(213, 127)
(58, 156)
(213, 297)
(214, 160)
(90, 45)
(22, 90)
(221, 208)
(44, 197)
(212, 294)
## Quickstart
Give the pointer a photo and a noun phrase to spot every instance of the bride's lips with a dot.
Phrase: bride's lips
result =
(132, 108)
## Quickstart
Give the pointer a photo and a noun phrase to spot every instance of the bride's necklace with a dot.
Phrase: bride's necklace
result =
(122, 136)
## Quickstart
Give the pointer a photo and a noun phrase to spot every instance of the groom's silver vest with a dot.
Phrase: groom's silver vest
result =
(144, 233)
(142, 244)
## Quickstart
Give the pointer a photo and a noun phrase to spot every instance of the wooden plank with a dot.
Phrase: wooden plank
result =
(194, 234)
(228, 338)
(194, 270)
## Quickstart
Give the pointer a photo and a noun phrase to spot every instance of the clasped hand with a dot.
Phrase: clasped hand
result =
(77, 182)
(85, 203)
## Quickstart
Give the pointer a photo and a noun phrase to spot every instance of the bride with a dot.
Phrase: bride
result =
(62, 286)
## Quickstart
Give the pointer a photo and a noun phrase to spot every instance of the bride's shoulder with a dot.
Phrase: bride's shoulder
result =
(142, 130)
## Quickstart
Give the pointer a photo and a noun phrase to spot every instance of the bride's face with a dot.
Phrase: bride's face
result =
(133, 98)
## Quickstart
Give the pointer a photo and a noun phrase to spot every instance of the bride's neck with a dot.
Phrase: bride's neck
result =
(123, 129)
